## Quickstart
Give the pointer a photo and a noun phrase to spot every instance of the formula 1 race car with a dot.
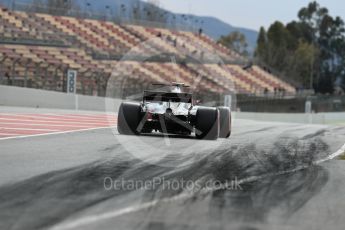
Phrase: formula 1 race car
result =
(171, 111)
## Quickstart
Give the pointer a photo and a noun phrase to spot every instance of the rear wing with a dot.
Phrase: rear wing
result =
(167, 97)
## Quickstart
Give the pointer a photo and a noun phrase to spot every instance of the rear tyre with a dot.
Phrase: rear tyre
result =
(129, 117)
(207, 124)
(224, 122)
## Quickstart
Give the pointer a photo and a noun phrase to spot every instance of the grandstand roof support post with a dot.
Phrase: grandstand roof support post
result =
(82, 80)
(93, 77)
(55, 79)
(64, 79)
(82, 87)
(88, 74)
(60, 79)
(102, 84)
(1, 67)
(26, 73)
(44, 81)
(37, 73)
(90, 87)
(64, 72)
(105, 81)
(98, 82)
(99, 85)
(14, 69)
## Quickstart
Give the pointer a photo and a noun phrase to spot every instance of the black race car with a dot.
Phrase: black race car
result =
(172, 111)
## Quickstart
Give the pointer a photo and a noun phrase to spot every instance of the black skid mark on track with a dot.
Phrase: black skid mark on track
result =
(254, 202)
(288, 192)
(316, 134)
(111, 148)
(259, 130)
(290, 153)
(48, 199)
(42, 201)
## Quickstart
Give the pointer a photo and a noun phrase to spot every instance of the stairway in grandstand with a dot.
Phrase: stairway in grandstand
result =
(37, 49)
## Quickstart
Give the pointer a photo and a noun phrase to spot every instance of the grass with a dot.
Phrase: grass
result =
(336, 123)
(342, 156)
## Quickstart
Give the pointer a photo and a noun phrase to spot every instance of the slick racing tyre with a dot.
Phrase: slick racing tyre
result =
(129, 117)
(207, 124)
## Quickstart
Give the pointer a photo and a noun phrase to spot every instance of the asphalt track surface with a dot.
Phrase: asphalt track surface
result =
(288, 176)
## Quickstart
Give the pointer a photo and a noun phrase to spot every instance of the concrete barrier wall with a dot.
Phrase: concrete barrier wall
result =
(312, 118)
(26, 97)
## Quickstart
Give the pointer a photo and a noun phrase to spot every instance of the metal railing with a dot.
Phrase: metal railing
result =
(103, 16)
(16, 36)
(319, 103)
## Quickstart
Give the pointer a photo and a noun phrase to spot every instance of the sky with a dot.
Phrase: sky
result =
(250, 13)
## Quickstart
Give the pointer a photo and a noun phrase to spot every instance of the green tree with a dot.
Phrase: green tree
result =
(235, 41)
(302, 63)
(278, 38)
(309, 50)
(261, 50)
(327, 33)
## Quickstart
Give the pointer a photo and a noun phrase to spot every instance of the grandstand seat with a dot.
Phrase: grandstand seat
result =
(81, 39)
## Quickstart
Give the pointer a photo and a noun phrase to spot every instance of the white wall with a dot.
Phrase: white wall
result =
(313, 118)
(26, 97)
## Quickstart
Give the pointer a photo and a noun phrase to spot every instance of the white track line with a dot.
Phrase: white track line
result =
(135, 208)
(57, 125)
(90, 116)
(27, 129)
(55, 133)
(53, 121)
(332, 156)
(8, 134)
(55, 117)
(61, 114)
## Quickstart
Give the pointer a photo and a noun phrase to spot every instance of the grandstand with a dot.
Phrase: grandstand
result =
(36, 50)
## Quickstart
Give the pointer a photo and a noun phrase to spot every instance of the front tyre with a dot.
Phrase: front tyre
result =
(129, 118)
(207, 124)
